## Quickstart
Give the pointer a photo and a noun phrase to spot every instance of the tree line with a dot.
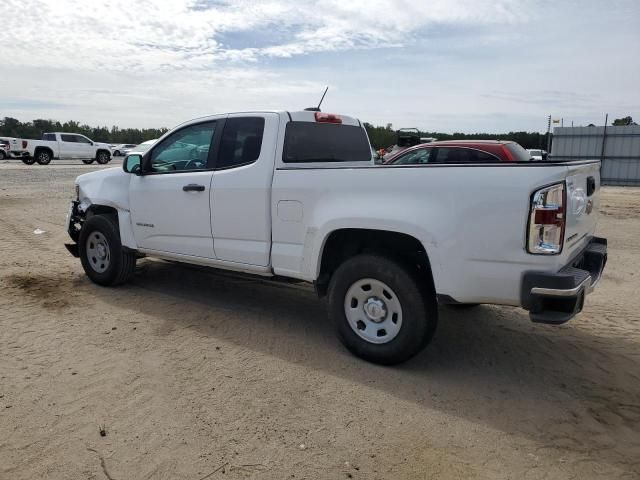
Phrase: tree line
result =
(11, 127)
(380, 137)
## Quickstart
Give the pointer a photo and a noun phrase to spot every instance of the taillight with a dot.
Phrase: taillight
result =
(547, 220)
(327, 118)
(24, 144)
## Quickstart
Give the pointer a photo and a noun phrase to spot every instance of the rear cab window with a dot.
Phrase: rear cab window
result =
(318, 142)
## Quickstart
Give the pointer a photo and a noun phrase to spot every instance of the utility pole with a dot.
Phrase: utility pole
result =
(549, 135)
(604, 136)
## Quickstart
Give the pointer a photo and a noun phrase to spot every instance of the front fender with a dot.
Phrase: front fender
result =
(109, 188)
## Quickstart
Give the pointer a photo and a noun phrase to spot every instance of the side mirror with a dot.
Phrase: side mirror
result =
(131, 164)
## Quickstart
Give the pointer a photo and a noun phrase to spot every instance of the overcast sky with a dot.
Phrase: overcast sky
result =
(442, 65)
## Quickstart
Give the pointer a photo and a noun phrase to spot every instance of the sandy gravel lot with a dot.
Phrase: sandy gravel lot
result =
(196, 374)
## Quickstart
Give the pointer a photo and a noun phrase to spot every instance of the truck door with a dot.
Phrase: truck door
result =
(241, 189)
(85, 147)
(68, 146)
(169, 203)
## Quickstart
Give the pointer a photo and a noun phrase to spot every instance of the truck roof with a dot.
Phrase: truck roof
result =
(294, 116)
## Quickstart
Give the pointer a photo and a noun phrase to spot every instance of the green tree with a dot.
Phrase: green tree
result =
(624, 121)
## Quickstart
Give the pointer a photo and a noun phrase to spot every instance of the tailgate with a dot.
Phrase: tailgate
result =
(583, 193)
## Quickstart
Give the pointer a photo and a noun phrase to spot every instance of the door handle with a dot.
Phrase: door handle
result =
(192, 187)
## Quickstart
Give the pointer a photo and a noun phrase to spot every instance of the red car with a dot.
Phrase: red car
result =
(461, 151)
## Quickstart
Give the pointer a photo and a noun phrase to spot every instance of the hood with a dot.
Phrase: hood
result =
(109, 187)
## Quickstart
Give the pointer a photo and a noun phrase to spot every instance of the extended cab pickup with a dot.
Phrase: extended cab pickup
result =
(297, 195)
(65, 146)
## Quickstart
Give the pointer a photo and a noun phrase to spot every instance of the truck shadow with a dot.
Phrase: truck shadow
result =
(490, 365)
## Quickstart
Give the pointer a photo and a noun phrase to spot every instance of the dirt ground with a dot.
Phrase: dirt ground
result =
(197, 375)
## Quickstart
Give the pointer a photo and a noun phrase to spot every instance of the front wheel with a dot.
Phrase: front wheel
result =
(87, 161)
(43, 157)
(102, 157)
(103, 258)
(381, 310)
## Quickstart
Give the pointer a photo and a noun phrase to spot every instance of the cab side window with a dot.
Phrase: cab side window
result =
(463, 155)
(241, 142)
(187, 149)
(68, 138)
(80, 139)
(416, 157)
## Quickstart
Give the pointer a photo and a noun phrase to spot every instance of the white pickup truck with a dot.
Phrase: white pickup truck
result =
(296, 195)
(64, 146)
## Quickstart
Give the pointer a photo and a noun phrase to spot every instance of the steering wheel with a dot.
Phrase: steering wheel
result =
(161, 165)
(193, 164)
(194, 161)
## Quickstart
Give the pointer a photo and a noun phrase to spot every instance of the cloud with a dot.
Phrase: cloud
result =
(151, 35)
(441, 65)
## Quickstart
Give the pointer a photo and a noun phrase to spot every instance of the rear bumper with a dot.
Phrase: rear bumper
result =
(557, 297)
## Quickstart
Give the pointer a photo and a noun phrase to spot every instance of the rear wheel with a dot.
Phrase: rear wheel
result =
(381, 310)
(87, 161)
(102, 157)
(43, 157)
(2, 155)
(103, 258)
(116, 153)
(28, 160)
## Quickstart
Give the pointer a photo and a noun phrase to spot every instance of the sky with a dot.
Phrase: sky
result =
(440, 65)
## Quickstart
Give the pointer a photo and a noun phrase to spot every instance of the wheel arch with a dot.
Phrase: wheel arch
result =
(122, 216)
(38, 149)
(344, 243)
(102, 150)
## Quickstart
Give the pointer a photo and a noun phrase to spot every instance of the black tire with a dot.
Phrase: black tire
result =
(416, 297)
(28, 160)
(2, 155)
(102, 157)
(43, 157)
(121, 264)
(116, 153)
(87, 161)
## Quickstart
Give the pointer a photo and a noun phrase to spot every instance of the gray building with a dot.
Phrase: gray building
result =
(618, 147)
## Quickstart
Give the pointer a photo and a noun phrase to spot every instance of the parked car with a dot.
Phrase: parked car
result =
(63, 146)
(118, 150)
(4, 149)
(143, 147)
(461, 151)
(296, 195)
(537, 154)
(15, 147)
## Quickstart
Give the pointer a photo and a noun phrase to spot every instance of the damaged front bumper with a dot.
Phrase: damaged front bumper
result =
(73, 225)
